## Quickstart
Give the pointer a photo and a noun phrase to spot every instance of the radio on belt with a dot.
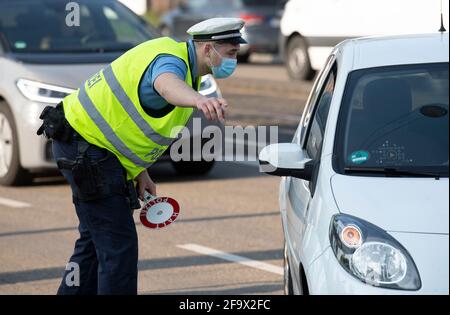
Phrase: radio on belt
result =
(159, 212)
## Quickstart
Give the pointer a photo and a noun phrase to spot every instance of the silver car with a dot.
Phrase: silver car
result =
(42, 59)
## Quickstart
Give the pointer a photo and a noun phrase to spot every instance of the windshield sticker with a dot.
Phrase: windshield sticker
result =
(359, 157)
(20, 45)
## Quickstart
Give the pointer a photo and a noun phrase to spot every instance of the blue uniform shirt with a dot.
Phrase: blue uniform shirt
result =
(163, 64)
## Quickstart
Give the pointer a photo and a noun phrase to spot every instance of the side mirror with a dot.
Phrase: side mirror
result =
(286, 159)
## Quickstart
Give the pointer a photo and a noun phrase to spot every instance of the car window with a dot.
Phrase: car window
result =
(315, 138)
(312, 100)
(395, 117)
(104, 25)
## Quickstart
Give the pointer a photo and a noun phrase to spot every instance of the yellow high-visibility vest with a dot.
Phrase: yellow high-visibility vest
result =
(106, 110)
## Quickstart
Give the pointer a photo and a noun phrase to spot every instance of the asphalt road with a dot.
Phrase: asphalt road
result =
(228, 239)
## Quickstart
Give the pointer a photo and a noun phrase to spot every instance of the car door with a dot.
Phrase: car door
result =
(310, 136)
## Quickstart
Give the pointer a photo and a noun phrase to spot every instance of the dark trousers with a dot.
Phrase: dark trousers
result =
(107, 250)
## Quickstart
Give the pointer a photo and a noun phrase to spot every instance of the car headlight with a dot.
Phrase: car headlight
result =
(208, 85)
(41, 92)
(371, 255)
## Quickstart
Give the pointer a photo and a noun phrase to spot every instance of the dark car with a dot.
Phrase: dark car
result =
(262, 19)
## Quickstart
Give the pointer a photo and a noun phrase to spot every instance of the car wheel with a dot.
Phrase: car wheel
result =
(193, 167)
(288, 286)
(11, 172)
(297, 60)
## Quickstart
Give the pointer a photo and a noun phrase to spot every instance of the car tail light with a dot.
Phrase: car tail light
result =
(252, 19)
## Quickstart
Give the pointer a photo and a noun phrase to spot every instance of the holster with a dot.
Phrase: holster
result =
(132, 195)
(90, 181)
(55, 126)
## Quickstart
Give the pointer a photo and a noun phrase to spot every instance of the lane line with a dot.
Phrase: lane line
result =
(233, 258)
(13, 203)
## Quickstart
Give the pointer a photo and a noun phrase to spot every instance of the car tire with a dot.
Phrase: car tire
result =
(288, 285)
(193, 167)
(11, 172)
(298, 63)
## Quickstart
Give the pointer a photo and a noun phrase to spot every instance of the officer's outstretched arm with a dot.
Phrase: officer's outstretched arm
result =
(178, 93)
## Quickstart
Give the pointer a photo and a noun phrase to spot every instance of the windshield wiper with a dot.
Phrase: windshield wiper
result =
(391, 172)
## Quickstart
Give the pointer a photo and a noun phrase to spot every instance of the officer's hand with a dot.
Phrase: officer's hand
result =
(145, 184)
(213, 108)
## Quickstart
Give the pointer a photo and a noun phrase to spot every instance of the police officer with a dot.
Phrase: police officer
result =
(107, 133)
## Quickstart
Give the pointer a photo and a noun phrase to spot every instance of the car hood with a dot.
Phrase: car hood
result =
(70, 76)
(419, 205)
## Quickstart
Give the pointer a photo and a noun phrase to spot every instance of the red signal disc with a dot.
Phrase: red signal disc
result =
(159, 212)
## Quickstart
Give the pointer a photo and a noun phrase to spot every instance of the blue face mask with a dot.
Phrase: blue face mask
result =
(226, 68)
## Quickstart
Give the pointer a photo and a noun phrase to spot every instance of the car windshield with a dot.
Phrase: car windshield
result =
(395, 118)
(45, 26)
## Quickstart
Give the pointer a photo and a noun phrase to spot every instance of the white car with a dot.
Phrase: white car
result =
(364, 196)
(310, 29)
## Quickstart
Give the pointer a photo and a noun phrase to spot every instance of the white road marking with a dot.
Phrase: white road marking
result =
(233, 258)
(13, 203)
